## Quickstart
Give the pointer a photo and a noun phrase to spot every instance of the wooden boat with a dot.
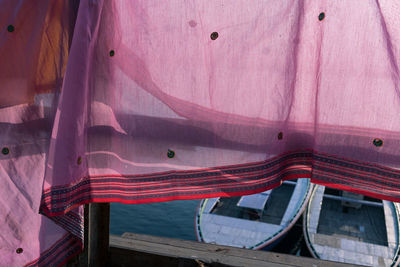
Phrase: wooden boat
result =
(352, 228)
(256, 221)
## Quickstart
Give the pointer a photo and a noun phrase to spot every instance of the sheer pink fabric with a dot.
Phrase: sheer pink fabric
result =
(189, 99)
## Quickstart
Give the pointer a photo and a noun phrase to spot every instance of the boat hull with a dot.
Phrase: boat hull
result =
(358, 246)
(270, 240)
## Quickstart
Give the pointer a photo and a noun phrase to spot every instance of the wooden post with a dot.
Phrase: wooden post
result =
(98, 234)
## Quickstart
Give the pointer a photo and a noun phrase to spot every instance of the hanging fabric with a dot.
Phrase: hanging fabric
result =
(144, 101)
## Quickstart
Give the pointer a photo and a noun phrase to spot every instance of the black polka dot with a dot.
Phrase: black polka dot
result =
(5, 151)
(214, 35)
(170, 153)
(377, 142)
(10, 28)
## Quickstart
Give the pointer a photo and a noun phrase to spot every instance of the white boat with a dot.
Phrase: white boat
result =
(256, 221)
(352, 228)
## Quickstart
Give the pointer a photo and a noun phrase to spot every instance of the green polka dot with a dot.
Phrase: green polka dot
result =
(10, 28)
(170, 154)
(5, 151)
(378, 142)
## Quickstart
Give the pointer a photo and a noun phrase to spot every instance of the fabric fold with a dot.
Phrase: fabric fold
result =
(146, 101)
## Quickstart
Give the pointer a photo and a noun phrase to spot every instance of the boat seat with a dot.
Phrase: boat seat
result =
(255, 201)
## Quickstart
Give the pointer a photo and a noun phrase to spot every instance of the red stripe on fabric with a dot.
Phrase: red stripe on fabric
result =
(165, 182)
(170, 198)
(181, 185)
(70, 258)
(148, 176)
(343, 181)
(205, 170)
(182, 189)
(359, 173)
(354, 181)
(65, 248)
(169, 189)
(355, 190)
(79, 251)
(44, 254)
(60, 252)
(358, 163)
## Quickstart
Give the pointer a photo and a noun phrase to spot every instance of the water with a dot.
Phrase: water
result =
(176, 219)
(168, 219)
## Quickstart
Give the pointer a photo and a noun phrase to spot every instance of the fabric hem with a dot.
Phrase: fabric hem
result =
(60, 253)
(234, 180)
(225, 181)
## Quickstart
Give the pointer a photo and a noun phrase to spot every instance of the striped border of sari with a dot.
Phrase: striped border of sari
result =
(235, 180)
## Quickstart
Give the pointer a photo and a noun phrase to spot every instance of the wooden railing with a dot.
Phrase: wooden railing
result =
(137, 250)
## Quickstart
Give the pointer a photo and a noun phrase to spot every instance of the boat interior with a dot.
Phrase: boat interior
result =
(352, 228)
(275, 203)
(353, 220)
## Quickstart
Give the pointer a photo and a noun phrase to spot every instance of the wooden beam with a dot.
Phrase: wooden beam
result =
(98, 234)
(133, 250)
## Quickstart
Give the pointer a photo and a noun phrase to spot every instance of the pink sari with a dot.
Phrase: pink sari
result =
(144, 101)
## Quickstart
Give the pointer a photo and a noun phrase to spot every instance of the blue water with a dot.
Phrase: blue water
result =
(175, 219)
(168, 219)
